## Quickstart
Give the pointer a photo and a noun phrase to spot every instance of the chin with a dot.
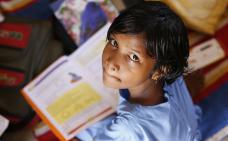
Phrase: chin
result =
(109, 84)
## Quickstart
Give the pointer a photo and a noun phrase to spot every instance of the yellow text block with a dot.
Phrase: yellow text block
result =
(73, 102)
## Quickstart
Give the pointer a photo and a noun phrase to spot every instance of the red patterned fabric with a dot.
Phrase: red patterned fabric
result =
(14, 35)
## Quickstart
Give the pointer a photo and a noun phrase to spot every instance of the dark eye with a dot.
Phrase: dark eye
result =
(113, 43)
(134, 57)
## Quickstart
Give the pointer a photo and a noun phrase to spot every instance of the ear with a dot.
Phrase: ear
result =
(156, 75)
(159, 73)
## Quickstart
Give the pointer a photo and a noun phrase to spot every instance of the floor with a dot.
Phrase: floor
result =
(22, 135)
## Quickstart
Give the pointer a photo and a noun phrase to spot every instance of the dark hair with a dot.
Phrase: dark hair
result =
(164, 32)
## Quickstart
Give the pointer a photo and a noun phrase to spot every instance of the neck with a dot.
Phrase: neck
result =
(148, 93)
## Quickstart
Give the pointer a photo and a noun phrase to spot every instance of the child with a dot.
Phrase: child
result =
(145, 57)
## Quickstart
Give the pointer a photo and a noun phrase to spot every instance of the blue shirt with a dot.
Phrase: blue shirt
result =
(174, 120)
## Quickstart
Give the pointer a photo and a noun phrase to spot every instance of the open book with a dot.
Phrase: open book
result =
(69, 95)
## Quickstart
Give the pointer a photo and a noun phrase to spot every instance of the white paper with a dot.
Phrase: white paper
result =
(3, 124)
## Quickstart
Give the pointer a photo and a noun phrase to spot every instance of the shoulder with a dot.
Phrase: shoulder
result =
(183, 117)
(142, 122)
(121, 128)
(132, 123)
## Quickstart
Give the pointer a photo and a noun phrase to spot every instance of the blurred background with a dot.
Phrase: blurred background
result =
(34, 33)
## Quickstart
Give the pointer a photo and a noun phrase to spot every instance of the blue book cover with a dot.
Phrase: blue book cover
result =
(214, 112)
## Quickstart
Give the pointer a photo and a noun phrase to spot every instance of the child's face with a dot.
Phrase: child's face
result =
(125, 61)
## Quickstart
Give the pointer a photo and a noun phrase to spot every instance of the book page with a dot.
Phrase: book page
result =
(89, 57)
(68, 100)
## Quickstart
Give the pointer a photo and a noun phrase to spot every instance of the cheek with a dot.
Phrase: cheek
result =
(104, 55)
(129, 75)
(134, 75)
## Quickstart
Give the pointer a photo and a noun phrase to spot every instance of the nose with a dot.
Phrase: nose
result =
(112, 65)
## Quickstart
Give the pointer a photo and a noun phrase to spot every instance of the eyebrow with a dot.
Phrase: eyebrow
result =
(137, 51)
(112, 37)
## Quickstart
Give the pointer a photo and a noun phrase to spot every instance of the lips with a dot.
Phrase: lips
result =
(107, 75)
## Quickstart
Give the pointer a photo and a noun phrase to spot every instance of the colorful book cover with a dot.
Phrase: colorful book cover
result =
(82, 18)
